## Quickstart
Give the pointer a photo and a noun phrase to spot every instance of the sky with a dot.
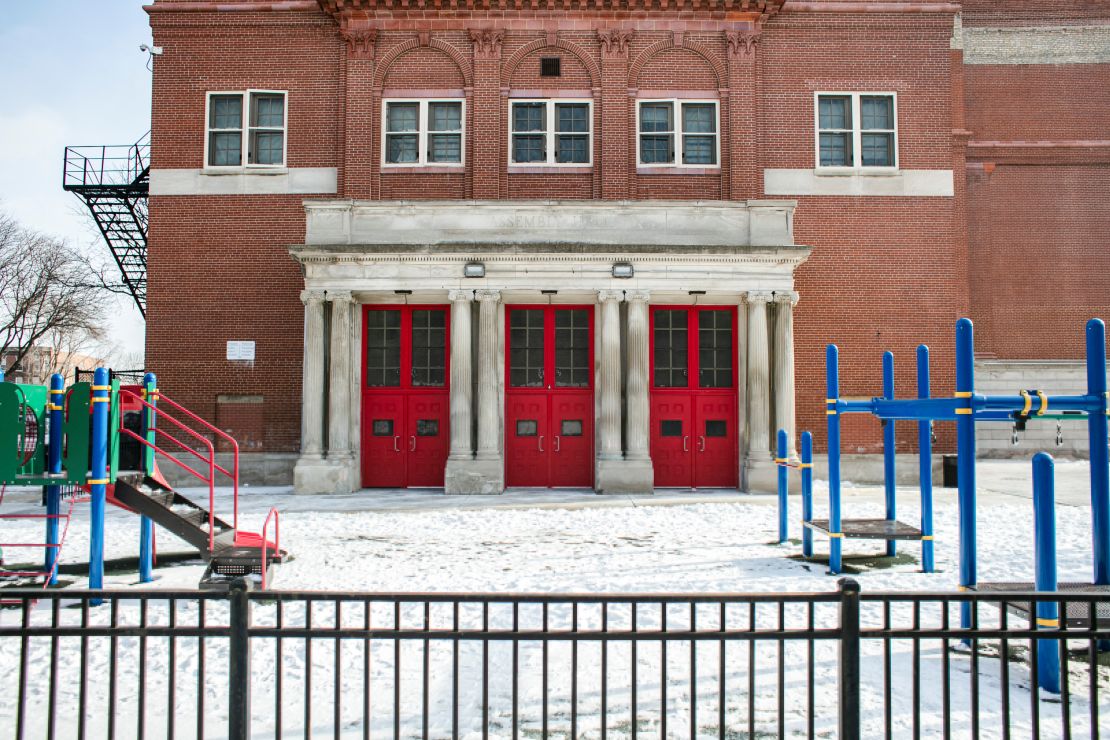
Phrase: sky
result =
(72, 73)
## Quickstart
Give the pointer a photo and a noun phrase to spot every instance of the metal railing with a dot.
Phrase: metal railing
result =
(105, 165)
(319, 664)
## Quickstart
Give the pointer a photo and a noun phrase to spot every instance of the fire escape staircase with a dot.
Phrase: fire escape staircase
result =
(114, 183)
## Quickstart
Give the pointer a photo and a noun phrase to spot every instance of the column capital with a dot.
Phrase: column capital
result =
(487, 42)
(460, 295)
(787, 296)
(340, 296)
(488, 295)
(312, 297)
(614, 42)
(742, 42)
(603, 296)
(760, 296)
(637, 295)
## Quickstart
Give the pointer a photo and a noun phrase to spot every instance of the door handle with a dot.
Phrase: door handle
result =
(686, 443)
(701, 443)
(556, 442)
(541, 443)
(412, 443)
(396, 447)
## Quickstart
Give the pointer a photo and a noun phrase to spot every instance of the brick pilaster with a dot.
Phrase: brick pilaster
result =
(741, 158)
(487, 135)
(356, 176)
(614, 135)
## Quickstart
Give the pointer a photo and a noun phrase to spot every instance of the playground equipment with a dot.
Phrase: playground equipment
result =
(887, 409)
(104, 438)
(806, 468)
(966, 408)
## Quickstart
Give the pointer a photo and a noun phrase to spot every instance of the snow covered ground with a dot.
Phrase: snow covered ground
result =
(545, 542)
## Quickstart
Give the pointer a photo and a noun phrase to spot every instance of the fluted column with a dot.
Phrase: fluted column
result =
(461, 448)
(489, 428)
(610, 428)
(639, 408)
(784, 365)
(312, 378)
(339, 401)
(759, 412)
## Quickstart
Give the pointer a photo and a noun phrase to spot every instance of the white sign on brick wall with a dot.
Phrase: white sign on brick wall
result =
(240, 351)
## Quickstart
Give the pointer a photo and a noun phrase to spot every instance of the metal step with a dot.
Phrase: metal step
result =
(170, 510)
(232, 564)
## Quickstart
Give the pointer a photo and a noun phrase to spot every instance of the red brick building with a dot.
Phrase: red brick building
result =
(479, 245)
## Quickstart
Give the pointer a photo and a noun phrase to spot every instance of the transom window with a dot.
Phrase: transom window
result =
(681, 133)
(856, 130)
(260, 132)
(423, 132)
(550, 132)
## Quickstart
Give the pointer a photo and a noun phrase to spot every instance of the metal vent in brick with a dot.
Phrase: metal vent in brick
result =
(549, 67)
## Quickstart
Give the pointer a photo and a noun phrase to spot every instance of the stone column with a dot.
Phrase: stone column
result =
(461, 448)
(485, 472)
(339, 401)
(639, 367)
(784, 366)
(761, 468)
(609, 431)
(305, 473)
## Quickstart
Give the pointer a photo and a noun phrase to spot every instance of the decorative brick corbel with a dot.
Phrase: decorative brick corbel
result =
(742, 43)
(614, 43)
(487, 43)
(360, 41)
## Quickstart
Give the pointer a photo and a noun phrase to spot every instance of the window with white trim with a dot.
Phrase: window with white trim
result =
(419, 133)
(260, 133)
(682, 133)
(857, 130)
(550, 132)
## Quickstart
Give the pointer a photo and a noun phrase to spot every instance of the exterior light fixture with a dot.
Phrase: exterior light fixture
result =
(623, 270)
(474, 270)
(403, 292)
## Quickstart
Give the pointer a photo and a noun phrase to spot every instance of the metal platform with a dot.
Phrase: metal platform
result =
(1078, 613)
(868, 529)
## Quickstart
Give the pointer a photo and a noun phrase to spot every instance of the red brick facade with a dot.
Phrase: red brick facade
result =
(1020, 245)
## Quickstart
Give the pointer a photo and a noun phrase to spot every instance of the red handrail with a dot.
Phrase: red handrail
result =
(266, 544)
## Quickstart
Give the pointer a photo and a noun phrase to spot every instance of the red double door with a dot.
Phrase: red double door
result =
(694, 404)
(549, 398)
(405, 405)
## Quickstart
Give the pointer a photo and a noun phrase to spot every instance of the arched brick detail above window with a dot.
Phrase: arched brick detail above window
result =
(522, 53)
(390, 57)
(644, 57)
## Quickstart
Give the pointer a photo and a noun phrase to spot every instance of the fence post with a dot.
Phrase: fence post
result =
(239, 655)
(849, 659)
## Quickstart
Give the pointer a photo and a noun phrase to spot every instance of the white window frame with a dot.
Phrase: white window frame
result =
(550, 133)
(857, 133)
(422, 133)
(244, 148)
(678, 133)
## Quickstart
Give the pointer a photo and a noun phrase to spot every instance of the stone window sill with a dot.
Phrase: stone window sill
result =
(425, 170)
(641, 170)
(220, 171)
(857, 171)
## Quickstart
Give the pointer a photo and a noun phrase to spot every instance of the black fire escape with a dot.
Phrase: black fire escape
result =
(114, 182)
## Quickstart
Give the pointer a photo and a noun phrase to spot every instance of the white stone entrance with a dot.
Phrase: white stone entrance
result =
(537, 252)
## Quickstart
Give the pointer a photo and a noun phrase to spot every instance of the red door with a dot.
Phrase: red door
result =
(405, 405)
(693, 397)
(549, 400)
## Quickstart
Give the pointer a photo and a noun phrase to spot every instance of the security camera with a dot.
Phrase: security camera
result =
(152, 50)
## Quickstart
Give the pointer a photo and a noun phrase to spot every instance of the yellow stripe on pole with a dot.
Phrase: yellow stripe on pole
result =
(963, 394)
(927, 537)
(805, 466)
(1042, 622)
(963, 412)
(837, 535)
(830, 412)
(100, 400)
(57, 392)
(101, 387)
(98, 481)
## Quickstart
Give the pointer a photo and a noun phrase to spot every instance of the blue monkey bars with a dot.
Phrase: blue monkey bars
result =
(965, 408)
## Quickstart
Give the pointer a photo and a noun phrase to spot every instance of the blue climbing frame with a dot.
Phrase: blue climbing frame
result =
(966, 408)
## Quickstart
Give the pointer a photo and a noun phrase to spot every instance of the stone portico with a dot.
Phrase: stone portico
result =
(737, 254)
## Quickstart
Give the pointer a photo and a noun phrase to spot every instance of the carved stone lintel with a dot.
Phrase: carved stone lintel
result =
(360, 41)
(614, 42)
(742, 43)
(487, 42)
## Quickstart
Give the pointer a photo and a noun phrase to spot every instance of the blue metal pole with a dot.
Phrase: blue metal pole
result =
(1100, 460)
(98, 478)
(54, 466)
(832, 390)
(1044, 499)
(146, 527)
(965, 448)
(807, 493)
(925, 464)
(780, 461)
(889, 448)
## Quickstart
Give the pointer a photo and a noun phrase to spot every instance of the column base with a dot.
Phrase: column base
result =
(624, 476)
(761, 474)
(315, 475)
(474, 477)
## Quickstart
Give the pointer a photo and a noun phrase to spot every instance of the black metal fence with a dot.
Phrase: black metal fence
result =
(316, 664)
